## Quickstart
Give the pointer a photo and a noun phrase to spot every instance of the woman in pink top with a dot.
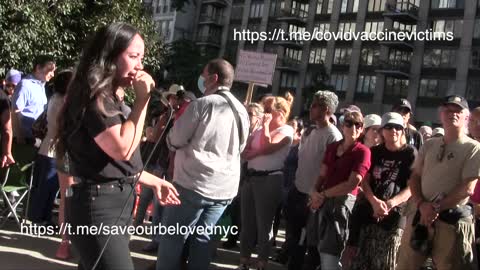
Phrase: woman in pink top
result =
(261, 192)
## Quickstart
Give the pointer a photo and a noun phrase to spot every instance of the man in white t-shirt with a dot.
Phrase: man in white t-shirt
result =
(312, 147)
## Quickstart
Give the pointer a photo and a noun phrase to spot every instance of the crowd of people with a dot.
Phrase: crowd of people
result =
(356, 191)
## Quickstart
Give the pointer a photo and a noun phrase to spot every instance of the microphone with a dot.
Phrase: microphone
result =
(158, 103)
(165, 102)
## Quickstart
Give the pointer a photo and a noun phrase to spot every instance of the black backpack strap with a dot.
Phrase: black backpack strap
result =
(235, 113)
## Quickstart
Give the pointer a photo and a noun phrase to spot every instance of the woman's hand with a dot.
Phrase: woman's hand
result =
(166, 193)
(142, 84)
(380, 208)
(316, 200)
(267, 118)
(7, 160)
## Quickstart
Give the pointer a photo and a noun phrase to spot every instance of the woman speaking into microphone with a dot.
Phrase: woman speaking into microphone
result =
(102, 145)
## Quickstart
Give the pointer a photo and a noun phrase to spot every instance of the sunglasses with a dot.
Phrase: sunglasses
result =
(393, 126)
(350, 123)
(9, 85)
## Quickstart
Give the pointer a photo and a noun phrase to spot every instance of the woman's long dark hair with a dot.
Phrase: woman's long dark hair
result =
(93, 79)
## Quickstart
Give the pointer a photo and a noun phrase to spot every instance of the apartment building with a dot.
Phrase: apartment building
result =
(371, 74)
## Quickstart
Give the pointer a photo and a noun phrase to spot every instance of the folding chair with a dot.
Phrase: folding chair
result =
(15, 179)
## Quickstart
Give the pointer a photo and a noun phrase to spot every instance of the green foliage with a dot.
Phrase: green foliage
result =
(61, 28)
(185, 62)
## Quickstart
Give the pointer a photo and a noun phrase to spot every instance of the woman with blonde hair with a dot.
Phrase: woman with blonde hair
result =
(262, 191)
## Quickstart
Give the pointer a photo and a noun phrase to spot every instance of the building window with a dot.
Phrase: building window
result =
(159, 6)
(295, 29)
(293, 54)
(444, 58)
(397, 55)
(288, 80)
(376, 5)
(366, 84)
(339, 82)
(435, 87)
(324, 7)
(317, 55)
(374, 27)
(346, 27)
(256, 10)
(273, 5)
(448, 4)
(396, 87)
(472, 89)
(369, 56)
(321, 27)
(475, 63)
(454, 26)
(299, 9)
(349, 6)
(404, 27)
(476, 30)
(237, 12)
(342, 56)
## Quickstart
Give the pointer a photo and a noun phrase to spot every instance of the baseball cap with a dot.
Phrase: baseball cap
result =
(392, 118)
(350, 108)
(438, 132)
(457, 100)
(13, 76)
(371, 120)
(402, 103)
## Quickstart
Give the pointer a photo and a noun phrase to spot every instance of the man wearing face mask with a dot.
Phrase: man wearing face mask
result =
(208, 139)
(29, 99)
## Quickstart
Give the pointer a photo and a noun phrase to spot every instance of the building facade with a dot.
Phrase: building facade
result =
(371, 74)
(171, 24)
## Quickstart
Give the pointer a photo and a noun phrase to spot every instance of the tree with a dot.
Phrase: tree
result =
(185, 62)
(61, 28)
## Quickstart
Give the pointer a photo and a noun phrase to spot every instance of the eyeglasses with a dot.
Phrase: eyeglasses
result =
(350, 123)
(441, 154)
(393, 126)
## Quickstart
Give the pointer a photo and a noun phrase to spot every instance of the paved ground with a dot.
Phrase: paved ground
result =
(24, 252)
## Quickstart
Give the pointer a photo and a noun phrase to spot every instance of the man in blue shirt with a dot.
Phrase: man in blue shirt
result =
(29, 99)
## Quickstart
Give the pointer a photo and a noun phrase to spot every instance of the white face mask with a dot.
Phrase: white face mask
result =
(201, 84)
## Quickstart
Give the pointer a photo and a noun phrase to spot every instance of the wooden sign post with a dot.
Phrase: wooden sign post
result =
(248, 98)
